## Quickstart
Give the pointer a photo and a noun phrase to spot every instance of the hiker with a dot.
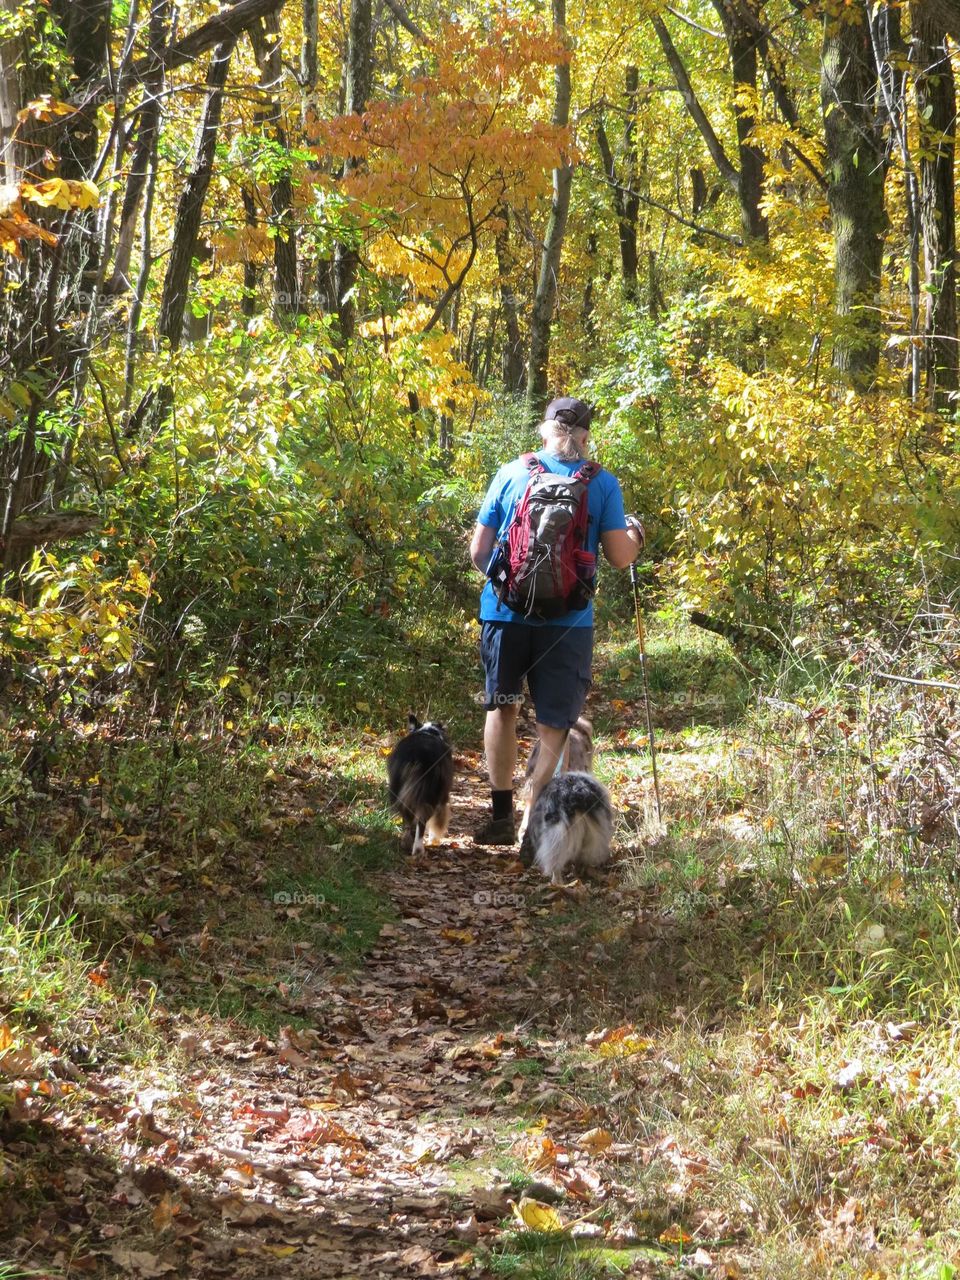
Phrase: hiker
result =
(534, 624)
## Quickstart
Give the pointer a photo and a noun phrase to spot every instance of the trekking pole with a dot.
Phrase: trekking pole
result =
(646, 691)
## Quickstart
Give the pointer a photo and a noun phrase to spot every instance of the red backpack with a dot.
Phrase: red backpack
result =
(544, 570)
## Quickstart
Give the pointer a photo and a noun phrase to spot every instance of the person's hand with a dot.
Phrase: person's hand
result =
(634, 526)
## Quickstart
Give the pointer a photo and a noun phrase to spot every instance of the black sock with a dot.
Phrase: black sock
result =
(502, 804)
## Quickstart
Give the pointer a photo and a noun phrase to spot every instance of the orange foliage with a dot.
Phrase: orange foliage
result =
(468, 138)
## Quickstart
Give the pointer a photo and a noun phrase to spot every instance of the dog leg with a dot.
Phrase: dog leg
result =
(524, 821)
(418, 838)
(438, 824)
(406, 835)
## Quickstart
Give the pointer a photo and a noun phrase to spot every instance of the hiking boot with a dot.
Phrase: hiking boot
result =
(497, 831)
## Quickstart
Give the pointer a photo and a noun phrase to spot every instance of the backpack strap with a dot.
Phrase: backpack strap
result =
(585, 473)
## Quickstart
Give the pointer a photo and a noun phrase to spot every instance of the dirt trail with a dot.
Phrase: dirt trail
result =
(378, 1139)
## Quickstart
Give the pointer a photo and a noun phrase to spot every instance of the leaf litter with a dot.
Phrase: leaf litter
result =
(375, 1134)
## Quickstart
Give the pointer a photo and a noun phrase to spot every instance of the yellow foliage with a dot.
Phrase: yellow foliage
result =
(81, 622)
(45, 108)
(15, 225)
(62, 193)
(392, 256)
(243, 244)
(795, 484)
(464, 141)
(536, 1216)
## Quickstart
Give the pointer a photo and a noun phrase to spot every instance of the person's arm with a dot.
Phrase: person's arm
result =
(481, 546)
(489, 520)
(621, 546)
(621, 536)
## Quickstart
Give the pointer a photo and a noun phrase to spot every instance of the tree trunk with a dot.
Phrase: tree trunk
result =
(514, 373)
(630, 210)
(891, 62)
(545, 298)
(86, 25)
(656, 303)
(190, 209)
(286, 288)
(587, 307)
(725, 167)
(10, 102)
(251, 272)
(740, 28)
(937, 112)
(148, 129)
(359, 74)
(308, 58)
(855, 164)
(41, 334)
(626, 203)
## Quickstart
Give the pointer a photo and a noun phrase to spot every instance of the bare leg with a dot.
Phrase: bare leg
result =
(528, 797)
(500, 744)
(525, 819)
(552, 744)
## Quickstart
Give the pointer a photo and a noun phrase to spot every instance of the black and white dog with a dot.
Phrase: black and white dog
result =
(577, 758)
(419, 778)
(572, 821)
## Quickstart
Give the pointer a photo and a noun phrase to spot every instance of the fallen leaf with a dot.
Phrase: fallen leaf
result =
(850, 1074)
(596, 1140)
(463, 936)
(140, 1261)
(468, 1229)
(538, 1216)
(675, 1234)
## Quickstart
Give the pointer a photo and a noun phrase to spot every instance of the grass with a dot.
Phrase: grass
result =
(692, 675)
(787, 954)
(208, 870)
(535, 1255)
(54, 979)
(796, 992)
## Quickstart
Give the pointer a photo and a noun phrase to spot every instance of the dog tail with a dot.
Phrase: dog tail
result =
(557, 844)
(415, 794)
(583, 837)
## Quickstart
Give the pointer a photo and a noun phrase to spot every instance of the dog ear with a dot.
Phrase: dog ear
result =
(412, 722)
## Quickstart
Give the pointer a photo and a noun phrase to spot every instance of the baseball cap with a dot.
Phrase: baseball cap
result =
(577, 412)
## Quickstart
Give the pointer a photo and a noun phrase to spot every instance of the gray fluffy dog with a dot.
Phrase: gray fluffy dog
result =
(571, 822)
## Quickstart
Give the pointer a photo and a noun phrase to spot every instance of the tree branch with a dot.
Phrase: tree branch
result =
(408, 24)
(671, 213)
(54, 526)
(707, 31)
(224, 28)
(697, 113)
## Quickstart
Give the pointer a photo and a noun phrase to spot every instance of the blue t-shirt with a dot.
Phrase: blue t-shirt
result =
(604, 512)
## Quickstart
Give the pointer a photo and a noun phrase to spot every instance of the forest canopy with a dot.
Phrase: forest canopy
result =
(282, 283)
